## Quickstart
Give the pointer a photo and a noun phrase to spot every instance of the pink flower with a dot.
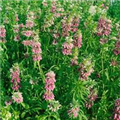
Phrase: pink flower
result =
(56, 35)
(50, 78)
(17, 38)
(36, 47)
(27, 42)
(48, 95)
(67, 48)
(117, 110)
(16, 28)
(53, 9)
(91, 98)
(86, 68)
(118, 44)
(104, 27)
(102, 5)
(37, 57)
(17, 97)
(102, 40)
(113, 63)
(15, 80)
(116, 51)
(78, 40)
(54, 42)
(31, 15)
(50, 74)
(66, 27)
(117, 48)
(75, 24)
(21, 25)
(74, 61)
(16, 18)
(29, 24)
(49, 85)
(8, 102)
(28, 33)
(73, 112)
(2, 31)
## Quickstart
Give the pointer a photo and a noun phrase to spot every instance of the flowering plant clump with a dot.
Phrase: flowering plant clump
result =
(86, 68)
(91, 98)
(49, 85)
(17, 97)
(60, 60)
(15, 80)
(2, 33)
(117, 110)
(73, 112)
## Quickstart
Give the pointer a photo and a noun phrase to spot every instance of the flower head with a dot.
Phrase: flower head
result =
(17, 97)
(73, 111)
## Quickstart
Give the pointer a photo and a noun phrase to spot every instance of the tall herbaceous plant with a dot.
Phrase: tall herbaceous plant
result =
(60, 60)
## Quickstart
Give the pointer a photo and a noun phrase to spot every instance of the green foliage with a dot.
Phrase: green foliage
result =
(70, 88)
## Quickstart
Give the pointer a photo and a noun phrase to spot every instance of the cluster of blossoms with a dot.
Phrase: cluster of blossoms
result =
(48, 21)
(114, 63)
(117, 48)
(29, 24)
(34, 38)
(91, 98)
(53, 7)
(67, 46)
(17, 97)
(69, 24)
(49, 86)
(104, 28)
(73, 111)
(74, 60)
(15, 80)
(117, 110)
(27, 42)
(56, 9)
(75, 24)
(56, 35)
(2, 33)
(86, 68)
(77, 42)
(8, 102)
(36, 49)
(103, 40)
(16, 29)
(78, 39)
(54, 106)
(66, 26)
(16, 32)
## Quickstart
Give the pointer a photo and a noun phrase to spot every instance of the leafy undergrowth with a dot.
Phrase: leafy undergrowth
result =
(60, 60)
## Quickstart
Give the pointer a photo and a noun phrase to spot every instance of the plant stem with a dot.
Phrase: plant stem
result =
(41, 72)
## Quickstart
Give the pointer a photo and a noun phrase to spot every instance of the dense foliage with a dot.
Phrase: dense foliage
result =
(60, 60)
